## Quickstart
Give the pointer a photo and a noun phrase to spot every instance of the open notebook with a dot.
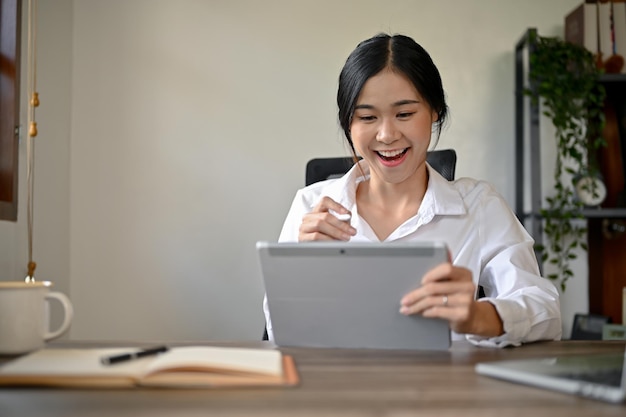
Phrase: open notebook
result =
(179, 367)
(597, 376)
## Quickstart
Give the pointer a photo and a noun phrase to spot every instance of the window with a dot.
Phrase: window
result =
(10, 32)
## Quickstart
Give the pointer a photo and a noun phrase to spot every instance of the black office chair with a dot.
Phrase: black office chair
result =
(319, 169)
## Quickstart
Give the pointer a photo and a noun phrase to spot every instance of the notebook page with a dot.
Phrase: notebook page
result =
(262, 361)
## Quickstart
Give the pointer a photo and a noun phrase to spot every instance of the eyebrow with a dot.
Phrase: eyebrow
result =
(396, 104)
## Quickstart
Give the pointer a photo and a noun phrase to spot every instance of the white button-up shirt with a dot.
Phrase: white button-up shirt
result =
(483, 235)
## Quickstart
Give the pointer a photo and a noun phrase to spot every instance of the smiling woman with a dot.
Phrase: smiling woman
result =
(392, 108)
(10, 12)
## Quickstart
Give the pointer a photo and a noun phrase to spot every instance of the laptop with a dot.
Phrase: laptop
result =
(347, 295)
(598, 376)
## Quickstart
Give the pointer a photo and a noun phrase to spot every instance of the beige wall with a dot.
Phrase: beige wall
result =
(173, 136)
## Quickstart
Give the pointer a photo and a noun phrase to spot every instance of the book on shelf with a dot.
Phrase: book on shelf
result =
(178, 367)
(620, 121)
(619, 29)
(605, 30)
(581, 26)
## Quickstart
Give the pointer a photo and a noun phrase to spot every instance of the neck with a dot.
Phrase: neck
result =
(404, 196)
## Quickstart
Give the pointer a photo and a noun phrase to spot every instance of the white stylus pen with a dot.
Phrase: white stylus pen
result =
(343, 217)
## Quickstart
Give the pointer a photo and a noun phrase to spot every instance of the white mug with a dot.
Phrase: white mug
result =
(23, 316)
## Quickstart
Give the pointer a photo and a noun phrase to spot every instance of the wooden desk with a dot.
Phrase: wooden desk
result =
(342, 383)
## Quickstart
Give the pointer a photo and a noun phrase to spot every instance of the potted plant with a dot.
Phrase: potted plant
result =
(564, 77)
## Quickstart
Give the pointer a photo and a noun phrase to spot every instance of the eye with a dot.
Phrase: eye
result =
(405, 115)
(367, 118)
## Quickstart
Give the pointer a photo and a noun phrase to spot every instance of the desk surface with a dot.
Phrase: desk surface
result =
(337, 382)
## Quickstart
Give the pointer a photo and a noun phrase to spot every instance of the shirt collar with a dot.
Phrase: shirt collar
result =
(441, 197)
(343, 190)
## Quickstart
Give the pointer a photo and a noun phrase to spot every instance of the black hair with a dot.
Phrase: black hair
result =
(399, 53)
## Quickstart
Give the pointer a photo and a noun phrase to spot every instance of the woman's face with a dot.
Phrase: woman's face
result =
(392, 126)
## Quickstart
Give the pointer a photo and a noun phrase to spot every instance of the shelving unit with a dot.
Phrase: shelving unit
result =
(606, 255)
(528, 152)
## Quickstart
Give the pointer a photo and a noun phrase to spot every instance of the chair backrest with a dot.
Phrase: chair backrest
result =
(319, 169)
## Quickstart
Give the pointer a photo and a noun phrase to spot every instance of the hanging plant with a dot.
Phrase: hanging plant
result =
(565, 78)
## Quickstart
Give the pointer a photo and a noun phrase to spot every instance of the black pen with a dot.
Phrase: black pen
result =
(124, 357)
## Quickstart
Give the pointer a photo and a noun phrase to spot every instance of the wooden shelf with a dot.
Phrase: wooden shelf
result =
(605, 213)
(589, 213)
(606, 248)
(613, 78)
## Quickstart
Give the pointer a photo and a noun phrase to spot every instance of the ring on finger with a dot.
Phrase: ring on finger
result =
(445, 301)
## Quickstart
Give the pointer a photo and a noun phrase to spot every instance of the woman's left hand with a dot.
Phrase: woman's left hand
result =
(448, 292)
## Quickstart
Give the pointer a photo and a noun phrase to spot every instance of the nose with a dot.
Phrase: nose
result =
(387, 133)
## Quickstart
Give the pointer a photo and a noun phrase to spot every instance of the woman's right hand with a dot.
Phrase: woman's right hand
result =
(321, 224)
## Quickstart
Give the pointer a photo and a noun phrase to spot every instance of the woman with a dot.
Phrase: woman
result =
(390, 100)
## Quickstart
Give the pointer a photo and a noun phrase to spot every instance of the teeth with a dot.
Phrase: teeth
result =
(391, 154)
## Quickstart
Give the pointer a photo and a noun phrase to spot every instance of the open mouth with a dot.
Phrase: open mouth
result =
(391, 156)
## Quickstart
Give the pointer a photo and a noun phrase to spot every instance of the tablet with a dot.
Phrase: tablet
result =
(347, 295)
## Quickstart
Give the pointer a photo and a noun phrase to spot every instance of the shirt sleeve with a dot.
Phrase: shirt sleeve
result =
(527, 303)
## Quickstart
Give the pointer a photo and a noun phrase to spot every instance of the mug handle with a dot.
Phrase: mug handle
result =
(67, 316)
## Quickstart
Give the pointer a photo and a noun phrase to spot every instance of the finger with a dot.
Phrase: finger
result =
(432, 294)
(438, 288)
(324, 226)
(453, 307)
(446, 271)
(339, 212)
(328, 204)
(324, 222)
(425, 303)
(436, 274)
(327, 221)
